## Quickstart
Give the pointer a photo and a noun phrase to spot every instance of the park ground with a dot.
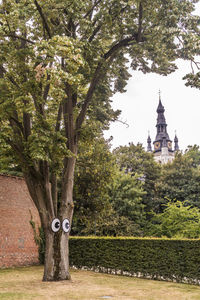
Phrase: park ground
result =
(25, 284)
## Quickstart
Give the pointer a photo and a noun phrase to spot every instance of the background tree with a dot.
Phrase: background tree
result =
(179, 180)
(95, 169)
(133, 159)
(126, 201)
(124, 213)
(193, 153)
(56, 58)
(177, 220)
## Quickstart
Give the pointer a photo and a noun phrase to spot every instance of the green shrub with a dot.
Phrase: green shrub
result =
(178, 220)
(165, 259)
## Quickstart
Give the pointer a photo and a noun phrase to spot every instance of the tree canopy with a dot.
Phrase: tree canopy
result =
(177, 220)
(135, 160)
(94, 172)
(179, 180)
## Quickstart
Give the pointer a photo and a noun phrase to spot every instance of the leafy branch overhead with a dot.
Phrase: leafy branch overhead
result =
(57, 50)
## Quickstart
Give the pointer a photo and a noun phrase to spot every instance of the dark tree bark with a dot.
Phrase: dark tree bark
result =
(56, 265)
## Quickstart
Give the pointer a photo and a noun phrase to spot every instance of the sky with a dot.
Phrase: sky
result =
(139, 104)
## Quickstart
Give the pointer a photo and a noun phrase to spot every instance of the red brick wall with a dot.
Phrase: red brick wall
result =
(17, 245)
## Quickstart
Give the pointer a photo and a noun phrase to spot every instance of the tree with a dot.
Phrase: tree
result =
(177, 220)
(193, 153)
(124, 213)
(179, 180)
(95, 169)
(57, 60)
(107, 201)
(135, 160)
(126, 199)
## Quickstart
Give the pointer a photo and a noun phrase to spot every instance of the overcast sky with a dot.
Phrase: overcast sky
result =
(139, 104)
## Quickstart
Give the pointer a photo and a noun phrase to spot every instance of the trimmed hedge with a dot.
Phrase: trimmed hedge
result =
(163, 259)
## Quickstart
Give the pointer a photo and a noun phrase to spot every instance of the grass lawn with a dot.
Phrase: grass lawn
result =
(25, 283)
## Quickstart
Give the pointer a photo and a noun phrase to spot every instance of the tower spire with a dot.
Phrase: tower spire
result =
(149, 148)
(176, 146)
(162, 151)
(162, 139)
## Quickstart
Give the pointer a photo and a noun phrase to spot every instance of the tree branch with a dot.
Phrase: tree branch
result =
(139, 36)
(92, 8)
(114, 17)
(47, 87)
(18, 150)
(119, 45)
(47, 188)
(108, 58)
(69, 118)
(27, 125)
(3, 71)
(43, 18)
(54, 192)
(89, 95)
(59, 117)
(38, 106)
(19, 37)
(70, 28)
(96, 30)
(65, 112)
(19, 125)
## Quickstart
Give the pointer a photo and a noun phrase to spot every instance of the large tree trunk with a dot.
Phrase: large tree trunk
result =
(56, 265)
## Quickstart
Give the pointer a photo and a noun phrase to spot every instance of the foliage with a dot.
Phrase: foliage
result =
(175, 260)
(135, 160)
(107, 202)
(193, 79)
(110, 223)
(8, 164)
(126, 199)
(179, 180)
(193, 153)
(177, 220)
(94, 173)
(125, 213)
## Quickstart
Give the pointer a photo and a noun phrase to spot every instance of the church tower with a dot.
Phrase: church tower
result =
(162, 144)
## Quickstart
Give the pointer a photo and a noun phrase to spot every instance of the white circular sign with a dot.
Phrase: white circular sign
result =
(55, 225)
(66, 225)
